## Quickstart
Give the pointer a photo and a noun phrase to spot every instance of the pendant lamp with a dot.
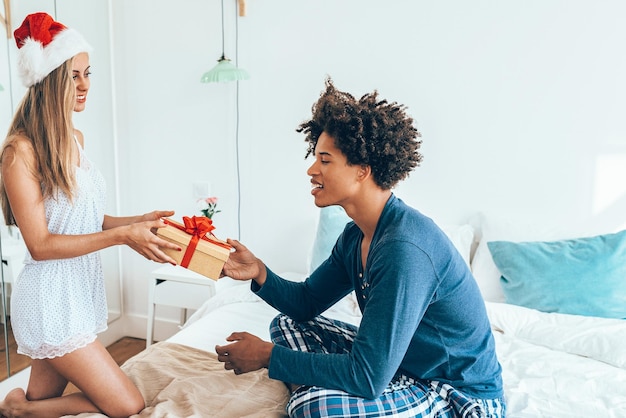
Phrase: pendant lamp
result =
(225, 70)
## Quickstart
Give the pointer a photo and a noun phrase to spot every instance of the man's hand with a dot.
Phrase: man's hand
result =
(246, 354)
(243, 265)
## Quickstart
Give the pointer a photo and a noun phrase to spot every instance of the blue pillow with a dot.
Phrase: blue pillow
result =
(584, 276)
(332, 221)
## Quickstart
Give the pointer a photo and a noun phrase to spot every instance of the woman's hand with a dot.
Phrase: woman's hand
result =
(141, 237)
(111, 222)
(156, 215)
(243, 265)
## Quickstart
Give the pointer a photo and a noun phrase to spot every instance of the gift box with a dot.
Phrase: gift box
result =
(201, 251)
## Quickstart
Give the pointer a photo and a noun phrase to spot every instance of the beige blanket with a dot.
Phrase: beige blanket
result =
(179, 381)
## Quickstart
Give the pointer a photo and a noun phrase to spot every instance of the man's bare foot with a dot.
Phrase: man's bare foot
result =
(13, 404)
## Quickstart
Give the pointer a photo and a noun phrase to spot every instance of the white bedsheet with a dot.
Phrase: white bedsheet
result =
(554, 365)
(235, 308)
(557, 365)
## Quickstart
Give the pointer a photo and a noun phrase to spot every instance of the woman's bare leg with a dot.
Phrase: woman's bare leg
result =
(105, 388)
(44, 381)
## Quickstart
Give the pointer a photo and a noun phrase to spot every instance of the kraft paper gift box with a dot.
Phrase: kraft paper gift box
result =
(201, 251)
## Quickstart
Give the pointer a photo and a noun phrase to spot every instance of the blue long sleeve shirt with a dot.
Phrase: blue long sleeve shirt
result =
(423, 314)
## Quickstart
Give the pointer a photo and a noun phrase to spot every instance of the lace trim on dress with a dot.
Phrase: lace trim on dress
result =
(68, 346)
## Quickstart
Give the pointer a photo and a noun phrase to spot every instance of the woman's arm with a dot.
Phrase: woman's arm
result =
(117, 221)
(26, 200)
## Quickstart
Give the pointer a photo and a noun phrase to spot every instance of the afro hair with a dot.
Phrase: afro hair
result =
(368, 132)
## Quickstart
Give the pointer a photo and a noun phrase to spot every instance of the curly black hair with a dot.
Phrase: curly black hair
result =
(367, 131)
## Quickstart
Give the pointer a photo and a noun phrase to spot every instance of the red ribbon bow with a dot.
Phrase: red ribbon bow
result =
(198, 227)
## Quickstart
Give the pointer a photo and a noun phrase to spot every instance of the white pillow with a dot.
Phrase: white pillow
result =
(462, 236)
(498, 228)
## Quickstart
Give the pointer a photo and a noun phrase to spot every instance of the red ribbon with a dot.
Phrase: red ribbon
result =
(198, 227)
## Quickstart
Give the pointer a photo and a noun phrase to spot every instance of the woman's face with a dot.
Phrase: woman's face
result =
(80, 72)
(333, 180)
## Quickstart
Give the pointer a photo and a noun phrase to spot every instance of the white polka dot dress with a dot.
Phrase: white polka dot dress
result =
(58, 306)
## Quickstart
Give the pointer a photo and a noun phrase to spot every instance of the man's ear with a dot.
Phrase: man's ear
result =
(364, 172)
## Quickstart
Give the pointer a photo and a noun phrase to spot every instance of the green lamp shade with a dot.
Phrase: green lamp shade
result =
(1, 88)
(224, 72)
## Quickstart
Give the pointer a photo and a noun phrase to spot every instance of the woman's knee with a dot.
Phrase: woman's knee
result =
(131, 406)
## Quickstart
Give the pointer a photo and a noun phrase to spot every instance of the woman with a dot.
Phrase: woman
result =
(52, 192)
(424, 345)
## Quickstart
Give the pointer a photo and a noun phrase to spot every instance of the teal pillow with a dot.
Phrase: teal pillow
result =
(584, 276)
(332, 221)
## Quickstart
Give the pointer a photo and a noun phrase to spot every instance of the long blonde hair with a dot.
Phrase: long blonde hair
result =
(45, 117)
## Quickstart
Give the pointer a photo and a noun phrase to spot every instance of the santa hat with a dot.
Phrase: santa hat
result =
(44, 45)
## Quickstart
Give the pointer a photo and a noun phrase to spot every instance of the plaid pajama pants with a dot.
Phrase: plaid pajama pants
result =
(403, 397)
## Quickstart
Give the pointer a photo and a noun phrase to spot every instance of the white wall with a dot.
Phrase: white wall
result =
(521, 105)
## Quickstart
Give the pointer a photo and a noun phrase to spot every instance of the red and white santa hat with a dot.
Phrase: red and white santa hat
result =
(44, 45)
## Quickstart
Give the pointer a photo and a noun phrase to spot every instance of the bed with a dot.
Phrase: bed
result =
(555, 364)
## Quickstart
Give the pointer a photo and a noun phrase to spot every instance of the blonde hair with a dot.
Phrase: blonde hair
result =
(45, 117)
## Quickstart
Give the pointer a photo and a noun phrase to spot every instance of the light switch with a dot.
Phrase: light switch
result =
(201, 189)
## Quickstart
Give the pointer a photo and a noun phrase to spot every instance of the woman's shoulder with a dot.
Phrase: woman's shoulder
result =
(18, 145)
(18, 155)
(79, 137)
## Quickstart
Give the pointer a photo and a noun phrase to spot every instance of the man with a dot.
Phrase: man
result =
(424, 345)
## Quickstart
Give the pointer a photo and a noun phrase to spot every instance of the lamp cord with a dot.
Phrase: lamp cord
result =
(223, 30)
(237, 122)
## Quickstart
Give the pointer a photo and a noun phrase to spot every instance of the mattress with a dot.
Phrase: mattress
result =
(554, 365)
